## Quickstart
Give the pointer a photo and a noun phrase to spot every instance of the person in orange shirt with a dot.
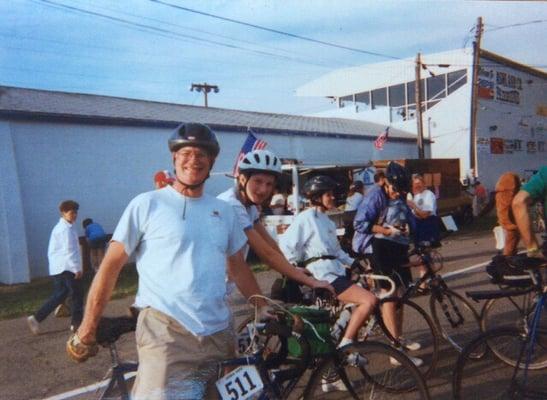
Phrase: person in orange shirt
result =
(507, 187)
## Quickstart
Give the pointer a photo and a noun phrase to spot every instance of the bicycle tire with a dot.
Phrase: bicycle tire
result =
(378, 377)
(464, 323)
(508, 312)
(417, 327)
(489, 378)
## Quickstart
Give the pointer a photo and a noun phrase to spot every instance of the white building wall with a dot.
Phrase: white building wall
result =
(103, 167)
(447, 125)
(14, 263)
(510, 135)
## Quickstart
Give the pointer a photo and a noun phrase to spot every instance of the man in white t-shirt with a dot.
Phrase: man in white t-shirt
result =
(423, 204)
(184, 242)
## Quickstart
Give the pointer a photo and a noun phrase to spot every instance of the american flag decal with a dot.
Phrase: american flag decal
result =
(251, 143)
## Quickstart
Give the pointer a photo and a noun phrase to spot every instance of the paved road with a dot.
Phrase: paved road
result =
(36, 367)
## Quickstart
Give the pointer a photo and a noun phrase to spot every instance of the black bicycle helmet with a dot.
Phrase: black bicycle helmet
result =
(318, 185)
(398, 177)
(194, 134)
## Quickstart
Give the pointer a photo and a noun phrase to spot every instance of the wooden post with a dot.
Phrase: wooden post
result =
(418, 100)
(474, 98)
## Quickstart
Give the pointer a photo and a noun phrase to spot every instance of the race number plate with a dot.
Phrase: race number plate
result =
(240, 384)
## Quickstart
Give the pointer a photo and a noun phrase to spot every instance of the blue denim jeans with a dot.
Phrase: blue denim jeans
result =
(64, 284)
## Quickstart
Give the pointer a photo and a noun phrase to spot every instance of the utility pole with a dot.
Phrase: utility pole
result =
(418, 100)
(205, 88)
(474, 97)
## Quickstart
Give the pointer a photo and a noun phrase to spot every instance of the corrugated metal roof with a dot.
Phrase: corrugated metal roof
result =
(34, 103)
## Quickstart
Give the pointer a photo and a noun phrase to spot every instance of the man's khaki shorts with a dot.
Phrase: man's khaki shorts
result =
(175, 364)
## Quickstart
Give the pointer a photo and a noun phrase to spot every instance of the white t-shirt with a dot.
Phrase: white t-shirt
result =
(63, 251)
(353, 201)
(278, 199)
(313, 234)
(247, 216)
(426, 201)
(181, 245)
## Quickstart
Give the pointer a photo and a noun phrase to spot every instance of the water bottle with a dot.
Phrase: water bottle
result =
(341, 323)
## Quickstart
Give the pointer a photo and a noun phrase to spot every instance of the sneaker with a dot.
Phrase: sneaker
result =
(356, 360)
(33, 325)
(327, 386)
(410, 344)
(418, 362)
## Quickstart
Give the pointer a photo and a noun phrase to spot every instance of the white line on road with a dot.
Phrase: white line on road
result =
(87, 389)
(464, 270)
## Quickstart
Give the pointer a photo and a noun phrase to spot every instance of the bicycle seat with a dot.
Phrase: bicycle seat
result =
(110, 329)
(523, 262)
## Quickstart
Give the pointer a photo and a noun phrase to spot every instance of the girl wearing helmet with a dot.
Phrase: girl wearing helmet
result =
(311, 239)
(258, 174)
(381, 234)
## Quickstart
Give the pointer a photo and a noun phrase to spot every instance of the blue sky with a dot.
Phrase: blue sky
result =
(146, 49)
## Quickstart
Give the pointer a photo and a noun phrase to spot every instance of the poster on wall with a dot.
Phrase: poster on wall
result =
(483, 145)
(499, 86)
(496, 146)
(530, 147)
(508, 146)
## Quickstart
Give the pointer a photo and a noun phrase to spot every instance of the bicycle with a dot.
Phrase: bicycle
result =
(454, 317)
(512, 358)
(335, 373)
(418, 328)
(514, 303)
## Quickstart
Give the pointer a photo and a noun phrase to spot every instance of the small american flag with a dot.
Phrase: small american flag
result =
(382, 139)
(251, 143)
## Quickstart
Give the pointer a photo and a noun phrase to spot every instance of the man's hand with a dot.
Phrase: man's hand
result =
(79, 351)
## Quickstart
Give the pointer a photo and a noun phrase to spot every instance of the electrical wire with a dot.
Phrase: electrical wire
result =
(293, 35)
(177, 35)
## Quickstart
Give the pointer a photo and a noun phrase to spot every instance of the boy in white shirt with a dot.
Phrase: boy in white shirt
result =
(65, 266)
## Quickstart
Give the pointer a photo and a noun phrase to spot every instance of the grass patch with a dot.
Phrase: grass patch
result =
(25, 299)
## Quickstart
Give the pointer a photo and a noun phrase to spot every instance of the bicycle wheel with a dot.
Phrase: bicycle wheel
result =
(417, 329)
(509, 312)
(385, 374)
(488, 378)
(454, 317)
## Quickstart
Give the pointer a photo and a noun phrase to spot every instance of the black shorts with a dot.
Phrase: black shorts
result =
(341, 284)
(387, 259)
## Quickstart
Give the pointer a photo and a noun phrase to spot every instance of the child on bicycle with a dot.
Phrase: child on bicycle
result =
(311, 239)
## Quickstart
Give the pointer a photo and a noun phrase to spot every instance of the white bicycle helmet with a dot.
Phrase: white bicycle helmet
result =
(260, 161)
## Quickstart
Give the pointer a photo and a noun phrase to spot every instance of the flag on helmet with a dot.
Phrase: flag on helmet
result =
(382, 139)
(250, 144)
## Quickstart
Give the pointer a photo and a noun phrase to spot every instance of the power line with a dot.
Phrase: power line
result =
(175, 35)
(293, 35)
(537, 21)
